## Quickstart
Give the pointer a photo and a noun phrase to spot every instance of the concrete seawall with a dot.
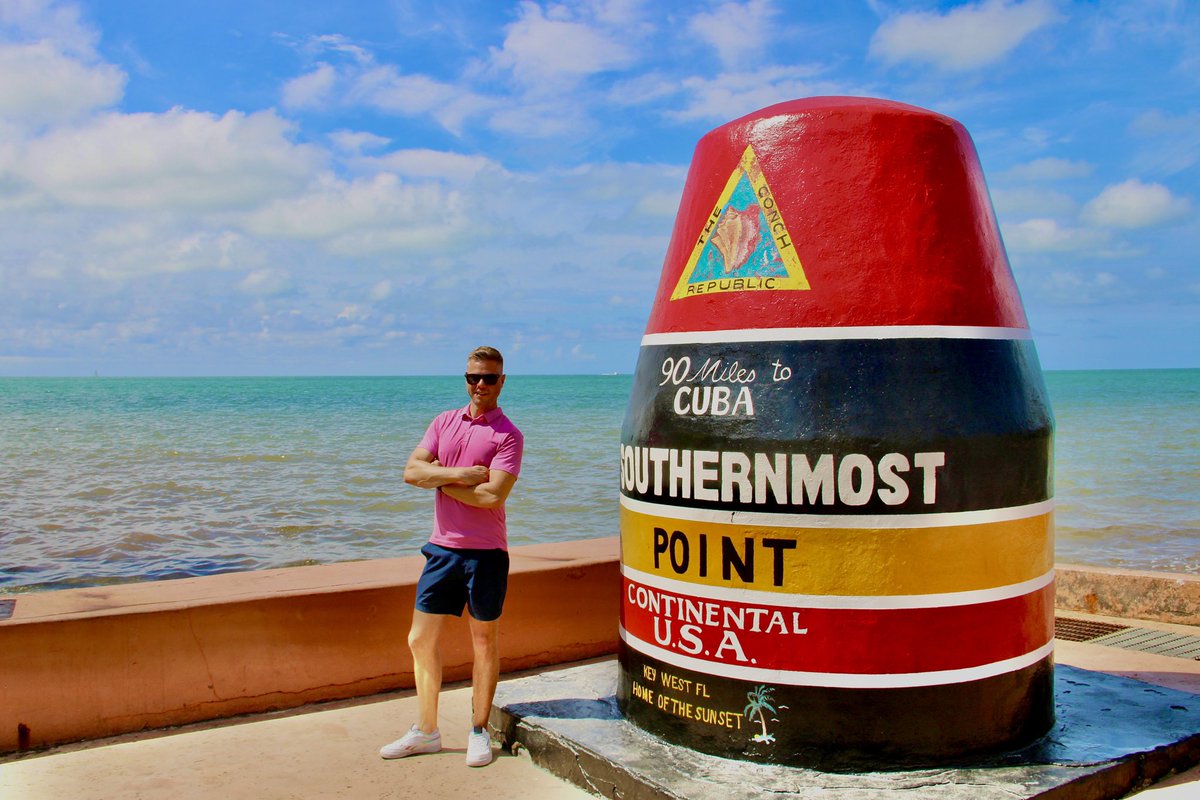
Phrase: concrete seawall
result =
(1164, 597)
(88, 663)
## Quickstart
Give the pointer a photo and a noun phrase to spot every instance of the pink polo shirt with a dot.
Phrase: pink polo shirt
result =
(456, 440)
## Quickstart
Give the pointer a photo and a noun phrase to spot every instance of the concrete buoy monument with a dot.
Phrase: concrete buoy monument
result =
(836, 464)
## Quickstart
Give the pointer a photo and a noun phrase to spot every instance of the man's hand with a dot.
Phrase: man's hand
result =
(427, 472)
(490, 494)
(472, 476)
(476, 486)
(465, 476)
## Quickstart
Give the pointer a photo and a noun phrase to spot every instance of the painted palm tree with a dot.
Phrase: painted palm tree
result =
(760, 701)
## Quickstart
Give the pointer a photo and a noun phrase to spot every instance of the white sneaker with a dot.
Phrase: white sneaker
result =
(479, 749)
(412, 743)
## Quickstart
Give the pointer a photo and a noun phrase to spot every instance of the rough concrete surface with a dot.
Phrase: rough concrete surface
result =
(327, 752)
(1113, 734)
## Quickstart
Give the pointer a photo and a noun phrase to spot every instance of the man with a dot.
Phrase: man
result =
(471, 457)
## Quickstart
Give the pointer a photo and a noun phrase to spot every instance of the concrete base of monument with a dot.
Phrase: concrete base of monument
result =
(1112, 734)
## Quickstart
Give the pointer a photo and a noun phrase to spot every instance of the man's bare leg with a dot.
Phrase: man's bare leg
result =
(485, 642)
(424, 640)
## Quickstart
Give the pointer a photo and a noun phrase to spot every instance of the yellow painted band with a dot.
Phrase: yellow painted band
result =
(840, 561)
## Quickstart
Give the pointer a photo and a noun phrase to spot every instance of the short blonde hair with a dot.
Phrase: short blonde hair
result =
(486, 353)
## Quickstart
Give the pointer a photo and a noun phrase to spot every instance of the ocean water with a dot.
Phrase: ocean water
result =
(110, 480)
(1127, 468)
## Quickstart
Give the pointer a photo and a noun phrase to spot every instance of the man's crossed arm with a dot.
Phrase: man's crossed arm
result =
(476, 486)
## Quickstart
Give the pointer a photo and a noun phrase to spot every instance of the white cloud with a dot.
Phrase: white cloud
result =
(337, 43)
(314, 89)
(354, 313)
(1075, 287)
(386, 89)
(1174, 141)
(1049, 169)
(1026, 202)
(1134, 204)
(1156, 122)
(642, 89)
(412, 245)
(160, 250)
(48, 21)
(618, 12)
(180, 159)
(549, 52)
(1044, 235)
(357, 79)
(364, 216)
(546, 50)
(659, 204)
(381, 290)
(265, 282)
(735, 30)
(49, 69)
(424, 163)
(42, 85)
(964, 38)
(133, 330)
(355, 142)
(1039, 137)
(734, 94)
(545, 119)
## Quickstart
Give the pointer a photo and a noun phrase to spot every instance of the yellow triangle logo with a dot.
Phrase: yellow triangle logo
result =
(745, 245)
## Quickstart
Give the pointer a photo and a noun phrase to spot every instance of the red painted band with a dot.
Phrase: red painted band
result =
(885, 205)
(850, 641)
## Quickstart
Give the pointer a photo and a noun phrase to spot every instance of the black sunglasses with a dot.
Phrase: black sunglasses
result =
(489, 378)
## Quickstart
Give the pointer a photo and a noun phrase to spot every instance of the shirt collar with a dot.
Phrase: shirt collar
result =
(488, 416)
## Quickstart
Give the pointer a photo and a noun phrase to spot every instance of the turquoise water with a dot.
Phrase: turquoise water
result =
(1127, 468)
(106, 480)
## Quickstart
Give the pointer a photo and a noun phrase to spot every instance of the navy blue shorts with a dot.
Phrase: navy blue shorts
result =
(454, 579)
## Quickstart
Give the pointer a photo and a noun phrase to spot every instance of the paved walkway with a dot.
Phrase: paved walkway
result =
(330, 751)
(327, 751)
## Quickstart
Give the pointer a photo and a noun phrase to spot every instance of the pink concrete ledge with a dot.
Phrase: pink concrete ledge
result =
(87, 663)
(1161, 596)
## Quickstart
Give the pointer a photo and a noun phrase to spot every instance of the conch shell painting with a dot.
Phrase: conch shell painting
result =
(736, 236)
(744, 244)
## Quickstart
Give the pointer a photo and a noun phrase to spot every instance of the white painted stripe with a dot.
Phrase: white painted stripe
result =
(836, 333)
(839, 680)
(884, 601)
(851, 521)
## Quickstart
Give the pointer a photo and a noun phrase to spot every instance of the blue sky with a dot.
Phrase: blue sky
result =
(258, 188)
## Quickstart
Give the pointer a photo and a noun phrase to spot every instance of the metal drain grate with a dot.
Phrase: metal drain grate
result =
(1163, 643)
(1127, 637)
(1082, 630)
